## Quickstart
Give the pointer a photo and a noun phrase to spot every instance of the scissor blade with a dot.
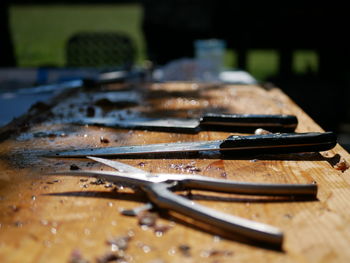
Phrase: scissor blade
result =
(142, 149)
(167, 124)
(122, 167)
(114, 177)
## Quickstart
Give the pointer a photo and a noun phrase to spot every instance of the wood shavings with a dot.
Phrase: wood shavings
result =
(185, 250)
(74, 167)
(342, 165)
(142, 164)
(119, 243)
(160, 229)
(149, 220)
(261, 131)
(190, 167)
(216, 168)
(104, 139)
(216, 253)
(117, 256)
(76, 257)
(53, 181)
(98, 181)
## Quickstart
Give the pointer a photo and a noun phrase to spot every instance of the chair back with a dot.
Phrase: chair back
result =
(101, 50)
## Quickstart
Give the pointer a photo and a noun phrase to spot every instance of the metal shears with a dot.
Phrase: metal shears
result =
(159, 189)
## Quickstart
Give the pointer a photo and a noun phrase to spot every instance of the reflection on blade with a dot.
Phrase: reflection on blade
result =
(189, 125)
(52, 87)
(114, 177)
(143, 149)
(122, 167)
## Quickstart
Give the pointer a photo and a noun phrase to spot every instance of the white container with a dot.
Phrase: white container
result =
(210, 58)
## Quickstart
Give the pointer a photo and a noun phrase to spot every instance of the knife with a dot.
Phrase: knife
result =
(253, 144)
(209, 121)
(103, 78)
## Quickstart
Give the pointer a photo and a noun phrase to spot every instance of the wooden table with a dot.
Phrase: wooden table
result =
(56, 219)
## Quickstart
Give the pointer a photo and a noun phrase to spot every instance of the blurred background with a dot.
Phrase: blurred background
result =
(299, 47)
(40, 30)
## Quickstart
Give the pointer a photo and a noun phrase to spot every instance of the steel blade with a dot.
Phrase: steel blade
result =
(167, 124)
(52, 87)
(142, 149)
(114, 177)
(122, 167)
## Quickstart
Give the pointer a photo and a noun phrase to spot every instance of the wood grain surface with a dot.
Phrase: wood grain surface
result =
(68, 219)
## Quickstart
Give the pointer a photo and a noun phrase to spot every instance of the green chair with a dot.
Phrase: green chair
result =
(100, 50)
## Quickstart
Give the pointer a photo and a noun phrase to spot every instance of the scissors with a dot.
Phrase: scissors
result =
(159, 189)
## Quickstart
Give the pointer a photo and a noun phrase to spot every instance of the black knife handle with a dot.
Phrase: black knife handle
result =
(279, 143)
(250, 121)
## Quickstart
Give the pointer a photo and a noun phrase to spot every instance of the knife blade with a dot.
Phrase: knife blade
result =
(209, 121)
(103, 78)
(253, 144)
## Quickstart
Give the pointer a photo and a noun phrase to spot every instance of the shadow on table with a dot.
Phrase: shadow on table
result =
(181, 219)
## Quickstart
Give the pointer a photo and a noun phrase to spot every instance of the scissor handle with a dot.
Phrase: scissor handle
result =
(252, 121)
(220, 185)
(162, 197)
(280, 143)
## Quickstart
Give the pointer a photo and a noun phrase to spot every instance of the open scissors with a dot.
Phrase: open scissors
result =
(159, 189)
